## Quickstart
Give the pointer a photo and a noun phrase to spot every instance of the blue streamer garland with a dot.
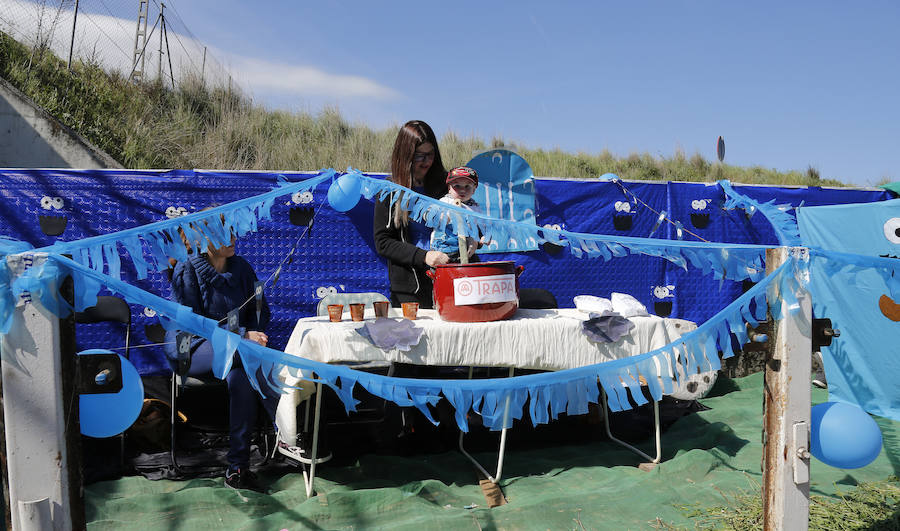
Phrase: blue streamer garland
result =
(499, 401)
(784, 223)
(722, 260)
(164, 239)
(550, 394)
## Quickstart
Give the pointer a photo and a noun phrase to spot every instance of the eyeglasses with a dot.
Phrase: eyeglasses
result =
(419, 156)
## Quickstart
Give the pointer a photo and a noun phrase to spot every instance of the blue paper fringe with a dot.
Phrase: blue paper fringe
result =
(722, 260)
(499, 401)
(784, 223)
(549, 393)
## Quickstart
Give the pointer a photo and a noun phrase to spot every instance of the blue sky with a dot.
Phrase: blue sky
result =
(787, 84)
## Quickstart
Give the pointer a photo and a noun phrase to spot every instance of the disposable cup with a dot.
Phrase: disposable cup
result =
(410, 309)
(335, 312)
(381, 308)
(357, 311)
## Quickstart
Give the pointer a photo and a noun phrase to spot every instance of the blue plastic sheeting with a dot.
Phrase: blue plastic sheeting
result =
(337, 252)
(505, 190)
(859, 293)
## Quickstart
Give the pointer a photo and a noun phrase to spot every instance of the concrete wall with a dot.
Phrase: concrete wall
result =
(31, 138)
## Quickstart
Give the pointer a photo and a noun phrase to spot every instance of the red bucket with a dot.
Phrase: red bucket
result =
(483, 291)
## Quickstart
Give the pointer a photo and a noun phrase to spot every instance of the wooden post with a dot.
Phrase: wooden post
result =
(787, 409)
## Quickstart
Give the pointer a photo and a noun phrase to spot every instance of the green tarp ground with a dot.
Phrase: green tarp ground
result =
(706, 455)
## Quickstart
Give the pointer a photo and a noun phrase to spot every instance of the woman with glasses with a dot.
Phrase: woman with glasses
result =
(416, 164)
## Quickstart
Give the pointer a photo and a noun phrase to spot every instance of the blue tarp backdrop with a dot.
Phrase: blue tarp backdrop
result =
(336, 254)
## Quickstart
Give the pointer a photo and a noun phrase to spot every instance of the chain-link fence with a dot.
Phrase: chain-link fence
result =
(105, 33)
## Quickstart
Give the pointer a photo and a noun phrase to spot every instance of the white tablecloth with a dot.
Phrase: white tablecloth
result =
(531, 339)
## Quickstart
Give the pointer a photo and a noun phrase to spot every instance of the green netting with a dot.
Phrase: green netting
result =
(590, 486)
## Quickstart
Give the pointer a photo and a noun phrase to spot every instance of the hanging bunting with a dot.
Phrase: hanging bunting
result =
(94, 264)
(784, 223)
(549, 393)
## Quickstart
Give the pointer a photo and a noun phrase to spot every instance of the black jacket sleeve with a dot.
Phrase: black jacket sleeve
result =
(390, 240)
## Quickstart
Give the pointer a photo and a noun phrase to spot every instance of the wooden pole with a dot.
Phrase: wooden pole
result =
(786, 410)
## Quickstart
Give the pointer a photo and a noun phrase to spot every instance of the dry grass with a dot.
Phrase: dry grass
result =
(869, 506)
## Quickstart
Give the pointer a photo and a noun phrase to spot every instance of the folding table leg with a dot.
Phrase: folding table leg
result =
(625, 444)
(309, 478)
(502, 451)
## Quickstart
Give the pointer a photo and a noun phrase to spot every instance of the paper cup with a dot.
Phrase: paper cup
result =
(410, 309)
(357, 311)
(335, 312)
(381, 308)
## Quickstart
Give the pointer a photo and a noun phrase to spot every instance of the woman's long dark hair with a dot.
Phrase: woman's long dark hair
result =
(413, 134)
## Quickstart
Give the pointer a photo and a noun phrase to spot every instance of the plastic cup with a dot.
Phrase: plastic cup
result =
(381, 308)
(357, 311)
(410, 309)
(335, 312)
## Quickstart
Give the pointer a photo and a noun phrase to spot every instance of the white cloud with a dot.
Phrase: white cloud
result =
(109, 41)
(306, 81)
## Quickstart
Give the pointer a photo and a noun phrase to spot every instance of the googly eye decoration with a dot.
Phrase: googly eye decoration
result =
(699, 204)
(623, 206)
(175, 212)
(662, 292)
(892, 230)
(52, 203)
(302, 198)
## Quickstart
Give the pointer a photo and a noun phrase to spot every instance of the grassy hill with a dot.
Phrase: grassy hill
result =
(150, 125)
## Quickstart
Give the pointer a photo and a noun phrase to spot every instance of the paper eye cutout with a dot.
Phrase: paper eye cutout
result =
(892, 230)
(299, 198)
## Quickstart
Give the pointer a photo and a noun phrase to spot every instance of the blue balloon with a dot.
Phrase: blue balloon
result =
(108, 414)
(843, 435)
(344, 192)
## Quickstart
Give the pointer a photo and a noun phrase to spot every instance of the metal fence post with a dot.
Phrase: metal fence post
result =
(72, 42)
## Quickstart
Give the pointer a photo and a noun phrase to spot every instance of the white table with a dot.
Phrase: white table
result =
(531, 339)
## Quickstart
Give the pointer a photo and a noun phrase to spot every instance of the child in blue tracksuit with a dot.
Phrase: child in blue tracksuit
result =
(213, 284)
(461, 185)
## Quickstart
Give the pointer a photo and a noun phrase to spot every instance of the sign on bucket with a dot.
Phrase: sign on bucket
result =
(484, 289)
